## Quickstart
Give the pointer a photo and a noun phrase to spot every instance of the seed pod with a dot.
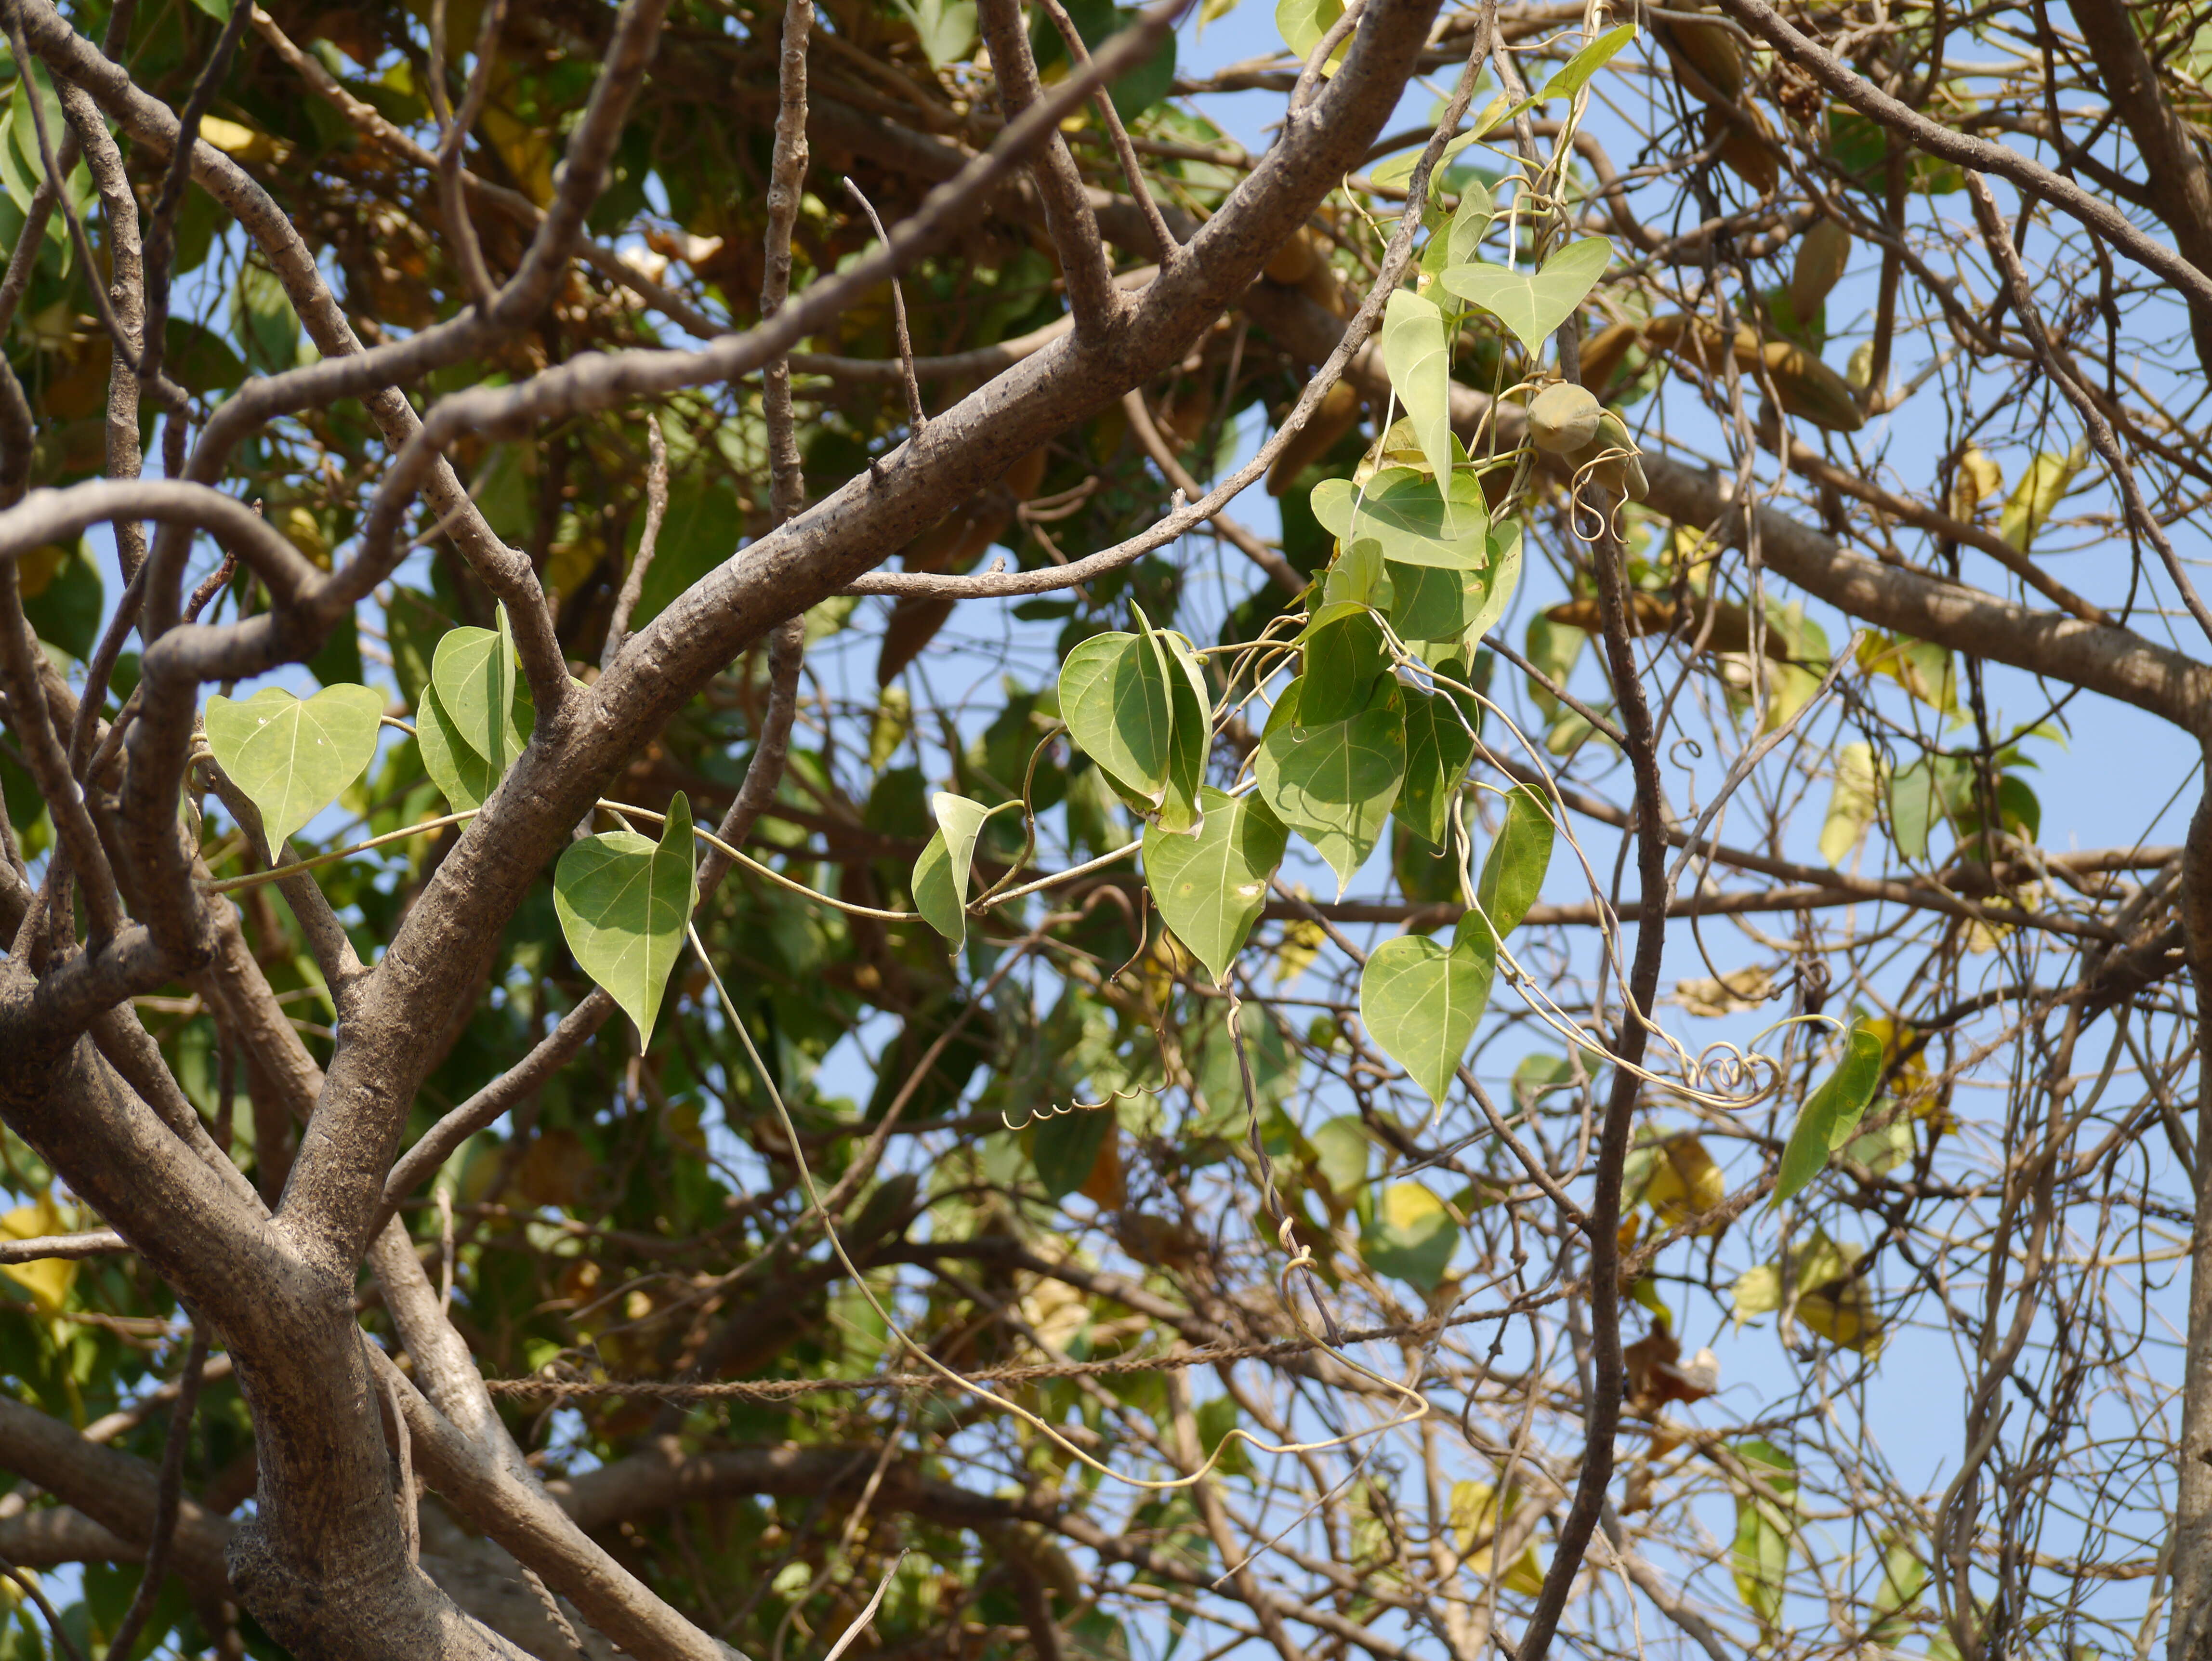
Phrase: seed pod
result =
(1822, 254)
(1743, 147)
(1332, 420)
(1711, 50)
(1563, 419)
(1809, 389)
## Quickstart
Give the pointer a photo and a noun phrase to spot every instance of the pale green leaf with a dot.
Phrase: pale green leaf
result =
(1513, 872)
(1420, 1002)
(1533, 304)
(1334, 783)
(1303, 23)
(1575, 74)
(1211, 887)
(1831, 1113)
(945, 29)
(1397, 172)
(1402, 510)
(1504, 577)
(1851, 803)
(1764, 1528)
(293, 755)
(624, 902)
(1418, 354)
(1190, 732)
(1430, 603)
(940, 875)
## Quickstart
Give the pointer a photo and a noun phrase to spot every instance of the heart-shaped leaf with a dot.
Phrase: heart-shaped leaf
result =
(1438, 747)
(1344, 652)
(624, 902)
(1401, 510)
(1429, 602)
(1065, 1148)
(1114, 697)
(1211, 887)
(940, 875)
(293, 755)
(1420, 1002)
(1534, 303)
(1831, 1112)
(473, 673)
(1513, 871)
(1417, 351)
(1334, 784)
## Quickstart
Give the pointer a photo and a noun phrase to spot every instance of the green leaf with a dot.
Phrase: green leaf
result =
(1401, 509)
(1438, 747)
(1065, 1148)
(1114, 697)
(1575, 74)
(1831, 1112)
(1421, 1001)
(1334, 784)
(624, 902)
(940, 875)
(1211, 887)
(1397, 172)
(1190, 735)
(945, 28)
(464, 778)
(1429, 602)
(261, 316)
(1418, 353)
(1760, 1561)
(473, 673)
(294, 756)
(1504, 577)
(1533, 304)
(1344, 652)
(1850, 803)
(1513, 872)
(1413, 1237)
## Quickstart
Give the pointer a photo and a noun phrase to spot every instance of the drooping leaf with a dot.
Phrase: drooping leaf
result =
(1575, 74)
(1421, 1001)
(48, 1280)
(945, 29)
(1513, 871)
(1418, 353)
(624, 902)
(294, 756)
(940, 875)
(1831, 1112)
(474, 674)
(1413, 1237)
(1851, 803)
(1438, 747)
(2039, 493)
(1428, 603)
(1402, 511)
(1334, 783)
(1114, 696)
(1211, 887)
(1765, 1526)
(1921, 667)
(464, 778)
(1533, 304)
(1190, 732)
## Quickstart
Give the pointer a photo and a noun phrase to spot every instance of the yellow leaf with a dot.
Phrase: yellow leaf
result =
(2039, 493)
(48, 1280)
(1979, 480)
(241, 143)
(1685, 1184)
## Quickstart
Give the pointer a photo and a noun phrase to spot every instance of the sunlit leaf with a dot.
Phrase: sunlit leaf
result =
(2039, 493)
(1420, 1002)
(1438, 747)
(1851, 803)
(1418, 353)
(624, 902)
(294, 756)
(1114, 697)
(940, 875)
(1533, 304)
(1513, 871)
(1211, 887)
(1764, 1527)
(1334, 782)
(1575, 74)
(474, 674)
(1401, 510)
(1411, 1236)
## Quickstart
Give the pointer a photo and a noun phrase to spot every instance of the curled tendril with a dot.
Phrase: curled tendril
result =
(1059, 1110)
